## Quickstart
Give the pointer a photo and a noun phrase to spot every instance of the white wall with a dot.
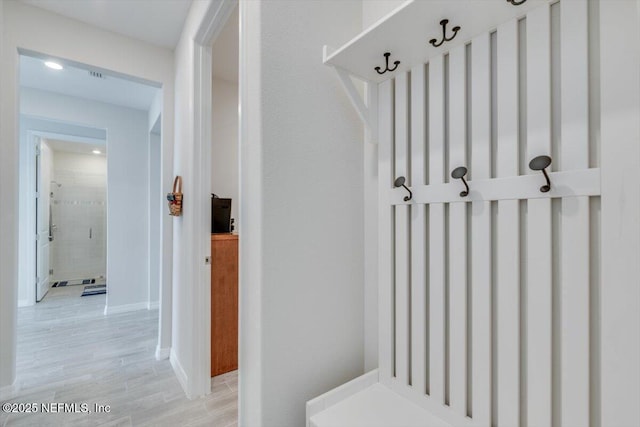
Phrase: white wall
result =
(8, 229)
(79, 254)
(160, 255)
(620, 154)
(157, 201)
(224, 137)
(127, 182)
(183, 357)
(301, 186)
(37, 30)
(157, 208)
(372, 11)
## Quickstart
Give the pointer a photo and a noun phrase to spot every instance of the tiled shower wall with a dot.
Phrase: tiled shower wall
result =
(79, 215)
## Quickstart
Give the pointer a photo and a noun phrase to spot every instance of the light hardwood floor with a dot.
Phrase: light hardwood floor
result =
(69, 352)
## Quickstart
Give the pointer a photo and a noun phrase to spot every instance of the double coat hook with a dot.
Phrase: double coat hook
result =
(516, 2)
(459, 173)
(399, 182)
(386, 59)
(455, 30)
(540, 163)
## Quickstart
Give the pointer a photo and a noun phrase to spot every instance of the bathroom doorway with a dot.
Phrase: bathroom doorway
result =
(71, 190)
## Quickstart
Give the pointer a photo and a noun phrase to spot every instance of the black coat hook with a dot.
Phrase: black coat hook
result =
(516, 2)
(459, 173)
(540, 163)
(444, 23)
(399, 182)
(386, 60)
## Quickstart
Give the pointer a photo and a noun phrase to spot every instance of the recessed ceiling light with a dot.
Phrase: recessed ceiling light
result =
(97, 152)
(53, 65)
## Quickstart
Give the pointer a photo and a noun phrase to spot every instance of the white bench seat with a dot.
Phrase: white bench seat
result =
(375, 406)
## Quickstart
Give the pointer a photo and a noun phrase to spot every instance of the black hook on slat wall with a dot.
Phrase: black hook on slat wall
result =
(540, 163)
(459, 173)
(399, 182)
(444, 23)
(386, 59)
(516, 2)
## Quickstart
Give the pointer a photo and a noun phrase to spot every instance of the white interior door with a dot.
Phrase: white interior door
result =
(44, 160)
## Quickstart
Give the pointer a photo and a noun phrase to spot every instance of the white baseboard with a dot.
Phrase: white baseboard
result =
(162, 353)
(180, 373)
(153, 305)
(8, 391)
(124, 308)
(25, 303)
(339, 393)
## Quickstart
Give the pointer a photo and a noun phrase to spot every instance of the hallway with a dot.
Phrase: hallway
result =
(69, 352)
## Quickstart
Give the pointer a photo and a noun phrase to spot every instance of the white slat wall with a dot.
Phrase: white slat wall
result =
(481, 230)
(494, 368)
(457, 235)
(418, 231)
(539, 249)
(436, 232)
(574, 154)
(402, 255)
(386, 240)
(508, 232)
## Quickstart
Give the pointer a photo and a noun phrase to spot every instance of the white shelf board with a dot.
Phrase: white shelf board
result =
(406, 32)
(375, 406)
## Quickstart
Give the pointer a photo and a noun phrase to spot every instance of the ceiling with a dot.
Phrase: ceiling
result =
(158, 22)
(225, 51)
(76, 81)
(76, 147)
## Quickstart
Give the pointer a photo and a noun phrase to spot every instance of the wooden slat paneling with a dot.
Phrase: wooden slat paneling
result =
(402, 253)
(436, 231)
(574, 154)
(481, 231)
(539, 269)
(418, 233)
(385, 180)
(457, 235)
(508, 233)
(585, 182)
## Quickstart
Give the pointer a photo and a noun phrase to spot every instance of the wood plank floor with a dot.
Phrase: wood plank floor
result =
(69, 352)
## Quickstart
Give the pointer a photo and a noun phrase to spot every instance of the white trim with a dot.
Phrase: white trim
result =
(8, 391)
(250, 412)
(179, 371)
(162, 353)
(25, 303)
(584, 182)
(202, 219)
(330, 398)
(364, 112)
(214, 20)
(109, 310)
(27, 195)
(153, 305)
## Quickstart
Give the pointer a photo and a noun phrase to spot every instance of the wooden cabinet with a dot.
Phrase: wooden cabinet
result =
(224, 303)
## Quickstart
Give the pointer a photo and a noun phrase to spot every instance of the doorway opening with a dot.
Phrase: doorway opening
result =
(225, 208)
(90, 222)
(70, 207)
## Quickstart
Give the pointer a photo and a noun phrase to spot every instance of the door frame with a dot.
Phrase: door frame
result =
(213, 22)
(27, 236)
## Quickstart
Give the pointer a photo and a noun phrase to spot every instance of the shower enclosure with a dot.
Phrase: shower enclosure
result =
(71, 214)
(78, 219)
